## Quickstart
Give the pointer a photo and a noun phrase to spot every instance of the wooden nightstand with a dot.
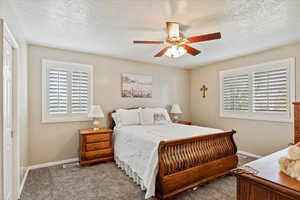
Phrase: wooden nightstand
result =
(95, 146)
(183, 122)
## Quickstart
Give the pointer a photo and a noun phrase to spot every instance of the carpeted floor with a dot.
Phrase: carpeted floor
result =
(107, 182)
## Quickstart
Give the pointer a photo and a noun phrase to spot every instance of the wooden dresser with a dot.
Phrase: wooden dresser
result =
(95, 146)
(269, 183)
(296, 122)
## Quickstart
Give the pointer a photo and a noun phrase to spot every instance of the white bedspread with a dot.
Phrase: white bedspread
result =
(137, 147)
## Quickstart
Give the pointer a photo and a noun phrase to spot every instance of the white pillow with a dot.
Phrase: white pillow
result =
(161, 116)
(117, 119)
(129, 117)
(147, 116)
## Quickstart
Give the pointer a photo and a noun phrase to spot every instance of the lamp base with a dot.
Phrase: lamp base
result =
(98, 128)
(175, 118)
(96, 124)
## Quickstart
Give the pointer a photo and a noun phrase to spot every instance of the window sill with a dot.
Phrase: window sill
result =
(257, 118)
(62, 120)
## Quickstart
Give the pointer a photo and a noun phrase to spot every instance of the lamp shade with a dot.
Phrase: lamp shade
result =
(176, 109)
(96, 112)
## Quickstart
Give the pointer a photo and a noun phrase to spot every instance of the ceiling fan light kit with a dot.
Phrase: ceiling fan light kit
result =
(177, 45)
(175, 51)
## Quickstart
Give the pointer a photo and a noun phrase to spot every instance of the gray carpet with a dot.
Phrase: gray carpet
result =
(107, 182)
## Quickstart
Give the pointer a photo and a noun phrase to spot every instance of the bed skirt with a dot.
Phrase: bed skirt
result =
(130, 172)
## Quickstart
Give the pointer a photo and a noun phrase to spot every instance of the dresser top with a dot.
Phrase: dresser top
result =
(92, 131)
(268, 168)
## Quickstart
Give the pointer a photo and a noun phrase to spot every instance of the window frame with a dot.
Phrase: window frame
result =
(264, 116)
(68, 66)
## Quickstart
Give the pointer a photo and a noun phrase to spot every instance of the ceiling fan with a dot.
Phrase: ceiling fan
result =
(176, 44)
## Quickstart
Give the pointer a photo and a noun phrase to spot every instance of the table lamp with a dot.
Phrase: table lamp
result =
(175, 111)
(96, 113)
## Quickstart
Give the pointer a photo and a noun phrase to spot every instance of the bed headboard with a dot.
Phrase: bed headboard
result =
(111, 120)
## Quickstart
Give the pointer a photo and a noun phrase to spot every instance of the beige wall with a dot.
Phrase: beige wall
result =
(20, 93)
(258, 137)
(58, 141)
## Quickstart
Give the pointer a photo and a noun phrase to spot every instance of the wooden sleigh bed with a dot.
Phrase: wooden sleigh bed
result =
(189, 162)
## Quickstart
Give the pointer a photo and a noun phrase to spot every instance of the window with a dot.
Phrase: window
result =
(67, 91)
(261, 92)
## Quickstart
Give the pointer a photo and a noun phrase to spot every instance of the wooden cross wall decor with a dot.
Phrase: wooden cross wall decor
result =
(204, 90)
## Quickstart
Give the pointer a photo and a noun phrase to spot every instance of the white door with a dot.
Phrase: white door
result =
(7, 120)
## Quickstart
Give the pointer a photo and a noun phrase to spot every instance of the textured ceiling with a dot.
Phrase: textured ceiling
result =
(108, 26)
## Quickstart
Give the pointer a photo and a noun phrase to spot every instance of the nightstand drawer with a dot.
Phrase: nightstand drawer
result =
(98, 146)
(97, 138)
(98, 154)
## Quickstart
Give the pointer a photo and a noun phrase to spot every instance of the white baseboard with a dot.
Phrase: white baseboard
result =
(43, 165)
(23, 182)
(249, 154)
(49, 164)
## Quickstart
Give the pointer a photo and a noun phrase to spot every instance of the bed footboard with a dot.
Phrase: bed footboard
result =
(186, 163)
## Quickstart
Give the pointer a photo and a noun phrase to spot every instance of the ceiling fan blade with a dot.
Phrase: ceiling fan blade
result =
(202, 38)
(191, 50)
(173, 29)
(148, 42)
(162, 52)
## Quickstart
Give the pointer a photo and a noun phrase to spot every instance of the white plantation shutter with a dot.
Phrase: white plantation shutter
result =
(262, 92)
(271, 91)
(67, 91)
(80, 92)
(57, 91)
(236, 93)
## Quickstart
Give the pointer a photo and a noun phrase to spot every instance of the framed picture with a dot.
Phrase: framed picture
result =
(136, 86)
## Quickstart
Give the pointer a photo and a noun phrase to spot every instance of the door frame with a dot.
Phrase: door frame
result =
(7, 35)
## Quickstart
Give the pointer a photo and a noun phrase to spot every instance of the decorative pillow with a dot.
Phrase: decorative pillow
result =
(129, 117)
(161, 116)
(146, 116)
